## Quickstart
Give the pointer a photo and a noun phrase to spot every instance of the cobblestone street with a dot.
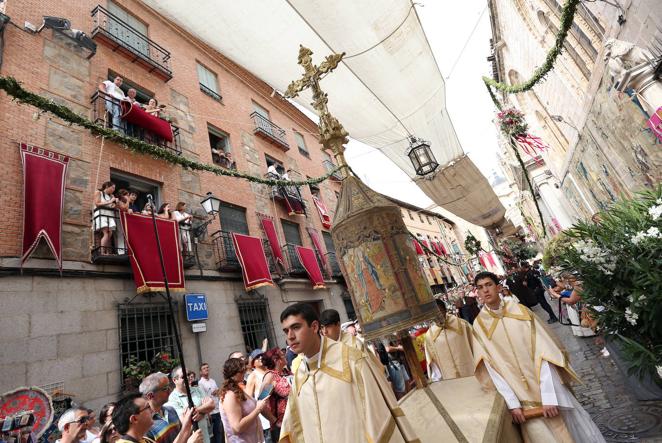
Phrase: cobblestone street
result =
(604, 393)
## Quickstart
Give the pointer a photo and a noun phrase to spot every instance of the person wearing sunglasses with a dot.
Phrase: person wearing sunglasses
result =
(73, 425)
(132, 418)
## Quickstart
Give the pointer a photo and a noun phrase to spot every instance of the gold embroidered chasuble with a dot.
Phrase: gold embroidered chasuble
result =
(449, 347)
(514, 343)
(344, 397)
(352, 341)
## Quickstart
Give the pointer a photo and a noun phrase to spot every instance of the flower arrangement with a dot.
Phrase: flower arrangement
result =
(619, 261)
(512, 123)
(472, 244)
(136, 370)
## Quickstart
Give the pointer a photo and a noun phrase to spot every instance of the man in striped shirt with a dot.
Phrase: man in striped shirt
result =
(166, 428)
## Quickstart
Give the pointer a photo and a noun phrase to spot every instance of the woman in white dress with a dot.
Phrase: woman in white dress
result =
(184, 220)
(104, 215)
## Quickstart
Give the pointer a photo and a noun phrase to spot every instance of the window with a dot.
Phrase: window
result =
(411, 217)
(138, 40)
(233, 218)
(301, 143)
(314, 189)
(208, 82)
(292, 233)
(221, 153)
(260, 110)
(277, 164)
(142, 94)
(429, 219)
(420, 217)
(145, 330)
(255, 320)
(142, 186)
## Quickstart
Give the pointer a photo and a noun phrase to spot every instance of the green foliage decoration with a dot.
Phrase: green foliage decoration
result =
(472, 244)
(14, 89)
(619, 262)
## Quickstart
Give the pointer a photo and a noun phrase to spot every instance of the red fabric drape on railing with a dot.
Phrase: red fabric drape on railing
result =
(135, 115)
(254, 267)
(490, 258)
(144, 254)
(323, 212)
(309, 262)
(294, 206)
(319, 245)
(443, 248)
(419, 248)
(44, 178)
(274, 244)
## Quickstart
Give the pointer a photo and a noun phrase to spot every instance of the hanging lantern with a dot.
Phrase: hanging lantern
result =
(421, 157)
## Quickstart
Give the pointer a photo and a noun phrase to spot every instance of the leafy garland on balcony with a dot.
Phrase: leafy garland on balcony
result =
(567, 16)
(14, 89)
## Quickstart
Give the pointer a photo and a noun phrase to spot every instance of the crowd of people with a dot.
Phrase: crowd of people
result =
(294, 394)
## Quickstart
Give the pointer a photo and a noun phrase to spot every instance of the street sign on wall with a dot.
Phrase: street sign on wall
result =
(196, 307)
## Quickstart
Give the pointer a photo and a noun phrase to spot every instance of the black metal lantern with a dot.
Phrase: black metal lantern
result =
(421, 157)
(211, 204)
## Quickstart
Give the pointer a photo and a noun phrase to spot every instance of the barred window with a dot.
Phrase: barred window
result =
(255, 320)
(208, 82)
(145, 330)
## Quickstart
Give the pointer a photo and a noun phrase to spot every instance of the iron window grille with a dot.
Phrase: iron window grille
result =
(145, 330)
(255, 320)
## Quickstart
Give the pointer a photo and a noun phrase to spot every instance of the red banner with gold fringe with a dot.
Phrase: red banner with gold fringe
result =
(323, 212)
(318, 244)
(309, 262)
(44, 178)
(250, 254)
(274, 244)
(144, 254)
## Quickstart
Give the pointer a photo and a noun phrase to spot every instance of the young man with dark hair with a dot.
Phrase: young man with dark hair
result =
(448, 343)
(528, 368)
(325, 377)
(330, 324)
(132, 418)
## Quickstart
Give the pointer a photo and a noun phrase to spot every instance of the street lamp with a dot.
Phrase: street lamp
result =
(212, 206)
(421, 156)
(560, 119)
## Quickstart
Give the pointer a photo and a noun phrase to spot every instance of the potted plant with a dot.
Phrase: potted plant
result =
(619, 261)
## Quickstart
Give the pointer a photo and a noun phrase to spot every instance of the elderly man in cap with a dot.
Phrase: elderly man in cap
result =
(330, 322)
(73, 425)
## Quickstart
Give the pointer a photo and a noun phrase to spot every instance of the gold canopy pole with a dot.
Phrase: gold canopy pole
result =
(375, 253)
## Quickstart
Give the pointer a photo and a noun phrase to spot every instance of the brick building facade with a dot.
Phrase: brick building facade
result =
(81, 328)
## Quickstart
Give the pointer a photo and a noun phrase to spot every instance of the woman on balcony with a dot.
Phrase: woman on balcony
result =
(184, 220)
(153, 108)
(104, 215)
(164, 211)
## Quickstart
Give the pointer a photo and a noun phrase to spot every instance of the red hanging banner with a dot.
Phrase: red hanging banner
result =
(443, 248)
(274, 244)
(250, 254)
(309, 262)
(144, 254)
(317, 242)
(323, 211)
(44, 178)
(490, 258)
(293, 205)
(419, 248)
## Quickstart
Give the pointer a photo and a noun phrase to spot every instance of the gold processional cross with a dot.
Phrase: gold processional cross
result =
(332, 134)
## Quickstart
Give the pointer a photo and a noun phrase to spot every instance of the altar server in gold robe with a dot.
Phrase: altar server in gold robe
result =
(528, 368)
(330, 327)
(338, 393)
(448, 347)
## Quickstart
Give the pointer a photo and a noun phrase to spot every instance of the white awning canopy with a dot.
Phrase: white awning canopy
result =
(387, 88)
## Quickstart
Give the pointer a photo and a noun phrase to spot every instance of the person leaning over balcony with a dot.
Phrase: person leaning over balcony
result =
(133, 196)
(104, 215)
(112, 96)
(153, 107)
(164, 211)
(184, 219)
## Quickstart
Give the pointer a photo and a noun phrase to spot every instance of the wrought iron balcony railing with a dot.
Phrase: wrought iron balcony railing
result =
(122, 37)
(226, 256)
(113, 249)
(329, 166)
(332, 264)
(292, 263)
(213, 94)
(103, 108)
(268, 130)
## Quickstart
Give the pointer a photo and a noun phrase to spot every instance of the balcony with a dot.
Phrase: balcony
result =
(329, 166)
(269, 131)
(293, 266)
(123, 38)
(290, 195)
(103, 106)
(333, 267)
(115, 250)
(226, 257)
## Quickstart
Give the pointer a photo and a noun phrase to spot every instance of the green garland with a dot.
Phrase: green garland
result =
(13, 88)
(567, 16)
(472, 244)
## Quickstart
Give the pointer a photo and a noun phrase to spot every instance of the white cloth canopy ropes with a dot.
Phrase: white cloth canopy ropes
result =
(380, 95)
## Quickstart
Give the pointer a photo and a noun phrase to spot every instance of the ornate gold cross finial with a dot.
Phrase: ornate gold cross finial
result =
(332, 134)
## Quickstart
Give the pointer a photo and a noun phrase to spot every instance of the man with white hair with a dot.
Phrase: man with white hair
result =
(179, 401)
(167, 427)
(73, 425)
